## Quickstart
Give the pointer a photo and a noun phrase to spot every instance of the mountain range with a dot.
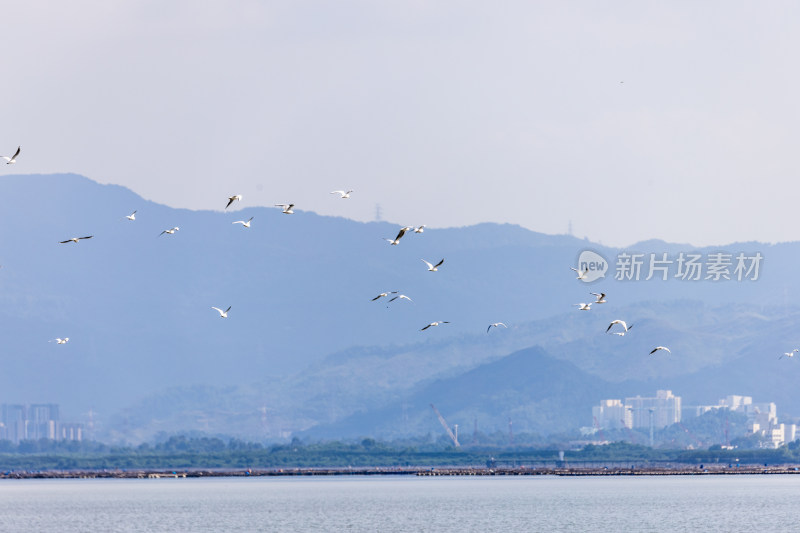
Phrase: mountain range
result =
(306, 350)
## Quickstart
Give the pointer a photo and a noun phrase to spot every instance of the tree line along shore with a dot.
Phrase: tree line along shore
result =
(182, 454)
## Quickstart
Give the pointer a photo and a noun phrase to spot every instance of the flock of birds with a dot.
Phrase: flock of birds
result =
(286, 209)
(600, 298)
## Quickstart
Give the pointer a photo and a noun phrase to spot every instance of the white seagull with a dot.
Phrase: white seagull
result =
(434, 324)
(13, 159)
(232, 199)
(399, 236)
(402, 297)
(65, 340)
(222, 314)
(789, 354)
(132, 216)
(620, 322)
(287, 208)
(495, 325)
(381, 295)
(657, 348)
(170, 231)
(433, 268)
(342, 194)
(76, 239)
(600, 297)
(246, 224)
(419, 229)
(584, 307)
(581, 273)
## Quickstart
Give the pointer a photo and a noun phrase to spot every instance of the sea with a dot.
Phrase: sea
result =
(725, 503)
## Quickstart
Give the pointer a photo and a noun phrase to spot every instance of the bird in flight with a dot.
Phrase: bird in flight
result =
(402, 297)
(287, 208)
(132, 216)
(433, 268)
(342, 194)
(657, 348)
(246, 224)
(76, 239)
(789, 354)
(581, 273)
(620, 322)
(222, 314)
(432, 324)
(381, 295)
(13, 159)
(600, 297)
(419, 229)
(496, 324)
(584, 307)
(399, 236)
(65, 340)
(170, 231)
(232, 199)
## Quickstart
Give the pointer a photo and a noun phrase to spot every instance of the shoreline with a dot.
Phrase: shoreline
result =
(565, 471)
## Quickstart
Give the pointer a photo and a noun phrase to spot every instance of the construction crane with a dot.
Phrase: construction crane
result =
(442, 421)
(599, 429)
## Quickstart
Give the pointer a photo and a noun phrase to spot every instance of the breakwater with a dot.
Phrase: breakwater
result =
(674, 470)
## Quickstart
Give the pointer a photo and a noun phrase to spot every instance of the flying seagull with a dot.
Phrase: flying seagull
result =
(222, 314)
(399, 236)
(620, 322)
(402, 297)
(65, 340)
(232, 199)
(132, 216)
(584, 307)
(170, 231)
(419, 229)
(495, 325)
(433, 268)
(76, 239)
(789, 354)
(381, 295)
(600, 297)
(342, 194)
(287, 208)
(581, 273)
(657, 348)
(13, 158)
(434, 324)
(243, 223)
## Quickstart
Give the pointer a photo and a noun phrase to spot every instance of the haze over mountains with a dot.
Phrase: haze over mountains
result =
(305, 350)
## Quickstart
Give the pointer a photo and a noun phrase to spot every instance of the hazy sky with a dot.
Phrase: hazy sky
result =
(633, 119)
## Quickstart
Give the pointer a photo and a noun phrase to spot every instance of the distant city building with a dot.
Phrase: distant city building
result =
(663, 410)
(15, 426)
(42, 420)
(35, 422)
(762, 418)
(70, 432)
(612, 414)
(734, 403)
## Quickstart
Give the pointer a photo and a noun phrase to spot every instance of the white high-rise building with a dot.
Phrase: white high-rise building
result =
(612, 414)
(664, 410)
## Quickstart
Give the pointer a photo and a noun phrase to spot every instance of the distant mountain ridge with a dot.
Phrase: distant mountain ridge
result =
(137, 308)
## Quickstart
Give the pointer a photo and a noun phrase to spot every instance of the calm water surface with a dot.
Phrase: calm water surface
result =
(413, 504)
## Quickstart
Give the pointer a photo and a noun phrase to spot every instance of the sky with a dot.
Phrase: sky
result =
(628, 120)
